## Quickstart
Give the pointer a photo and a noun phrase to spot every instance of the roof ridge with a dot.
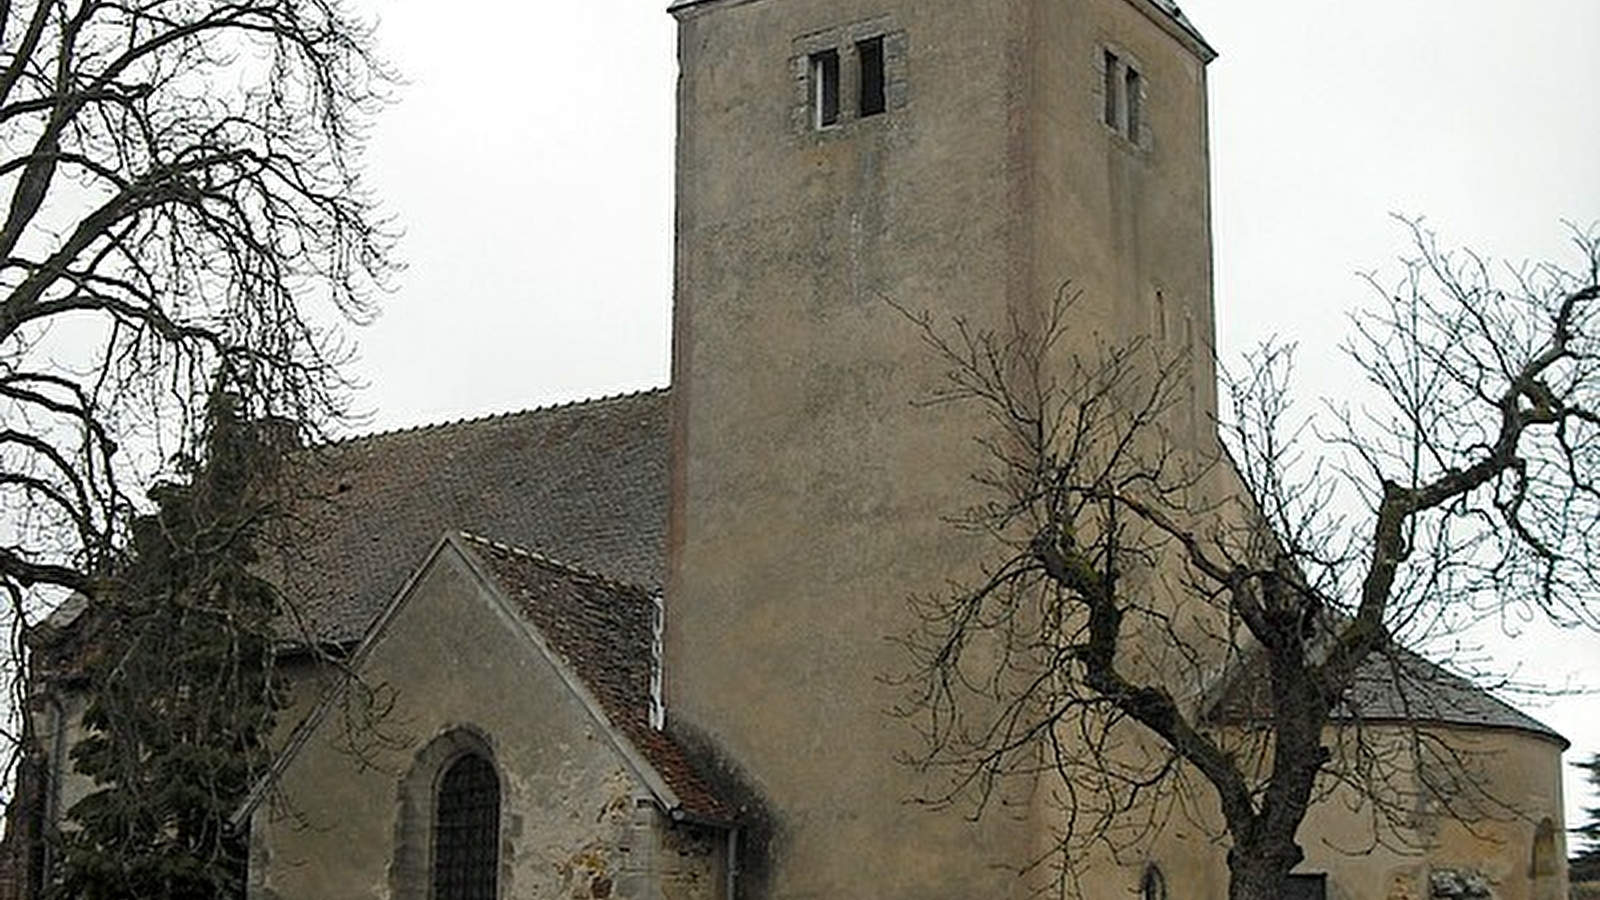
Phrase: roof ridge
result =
(490, 417)
(552, 562)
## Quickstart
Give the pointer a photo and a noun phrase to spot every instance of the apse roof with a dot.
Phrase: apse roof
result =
(1399, 686)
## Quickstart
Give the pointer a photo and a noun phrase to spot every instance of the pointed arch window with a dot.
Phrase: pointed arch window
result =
(466, 831)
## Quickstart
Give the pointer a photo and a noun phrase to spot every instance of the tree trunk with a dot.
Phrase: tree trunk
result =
(1260, 872)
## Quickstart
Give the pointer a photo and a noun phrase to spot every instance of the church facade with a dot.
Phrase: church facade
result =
(638, 647)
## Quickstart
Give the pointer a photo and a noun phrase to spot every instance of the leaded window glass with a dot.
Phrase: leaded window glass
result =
(466, 831)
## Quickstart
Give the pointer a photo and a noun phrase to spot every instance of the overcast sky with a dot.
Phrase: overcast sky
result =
(529, 161)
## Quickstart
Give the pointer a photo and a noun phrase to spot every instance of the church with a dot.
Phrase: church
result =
(640, 647)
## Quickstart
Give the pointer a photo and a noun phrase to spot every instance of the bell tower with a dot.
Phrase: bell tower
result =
(964, 158)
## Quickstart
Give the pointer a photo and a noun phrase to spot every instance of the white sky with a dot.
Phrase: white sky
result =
(529, 161)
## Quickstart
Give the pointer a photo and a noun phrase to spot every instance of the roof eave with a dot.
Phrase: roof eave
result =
(1170, 19)
(636, 760)
(1542, 732)
(684, 7)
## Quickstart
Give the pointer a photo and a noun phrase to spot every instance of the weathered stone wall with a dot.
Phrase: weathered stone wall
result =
(1436, 848)
(1482, 837)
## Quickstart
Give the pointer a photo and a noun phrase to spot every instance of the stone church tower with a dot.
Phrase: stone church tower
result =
(964, 158)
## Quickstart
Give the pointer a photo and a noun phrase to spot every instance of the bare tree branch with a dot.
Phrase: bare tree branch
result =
(1133, 634)
(183, 201)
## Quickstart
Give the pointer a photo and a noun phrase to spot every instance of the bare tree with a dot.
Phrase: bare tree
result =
(1171, 626)
(184, 201)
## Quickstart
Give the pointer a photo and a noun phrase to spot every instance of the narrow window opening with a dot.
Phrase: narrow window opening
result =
(1123, 89)
(1133, 88)
(1192, 363)
(1153, 884)
(825, 88)
(466, 831)
(658, 705)
(1546, 867)
(873, 100)
(1112, 85)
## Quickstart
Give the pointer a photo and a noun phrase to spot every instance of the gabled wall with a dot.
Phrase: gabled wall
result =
(463, 673)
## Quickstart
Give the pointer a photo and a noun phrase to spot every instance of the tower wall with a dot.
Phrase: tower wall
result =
(1126, 219)
(810, 492)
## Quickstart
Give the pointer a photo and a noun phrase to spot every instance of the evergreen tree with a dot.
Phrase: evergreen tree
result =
(182, 692)
(1585, 863)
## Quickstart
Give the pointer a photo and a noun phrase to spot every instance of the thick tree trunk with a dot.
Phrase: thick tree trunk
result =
(1260, 873)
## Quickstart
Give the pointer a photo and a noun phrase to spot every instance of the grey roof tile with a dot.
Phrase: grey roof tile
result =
(584, 482)
(1404, 686)
(604, 629)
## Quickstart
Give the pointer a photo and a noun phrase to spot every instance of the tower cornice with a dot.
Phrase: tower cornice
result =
(1164, 13)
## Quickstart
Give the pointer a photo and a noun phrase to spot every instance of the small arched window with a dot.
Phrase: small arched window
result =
(1153, 884)
(466, 831)
(1546, 867)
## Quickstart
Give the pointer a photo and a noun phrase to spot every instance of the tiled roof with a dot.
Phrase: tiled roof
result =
(585, 483)
(1405, 686)
(1389, 688)
(603, 629)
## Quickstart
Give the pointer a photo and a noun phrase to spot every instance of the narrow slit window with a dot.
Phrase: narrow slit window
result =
(825, 88)
(1132, 89)
(1153, 885)
(1112, 84)
(873, 101)
(1123, 90)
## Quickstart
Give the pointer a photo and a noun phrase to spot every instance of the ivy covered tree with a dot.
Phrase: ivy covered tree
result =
(182, 690)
